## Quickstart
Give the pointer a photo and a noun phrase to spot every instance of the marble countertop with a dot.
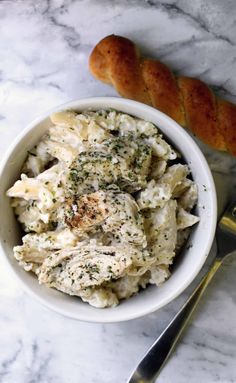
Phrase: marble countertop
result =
(44, 51)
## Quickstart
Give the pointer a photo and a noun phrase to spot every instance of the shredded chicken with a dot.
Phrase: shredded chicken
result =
(84, 266)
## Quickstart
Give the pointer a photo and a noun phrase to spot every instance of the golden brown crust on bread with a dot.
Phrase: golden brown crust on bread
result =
(227, 124)
(163, 89)
(116, 60)
(201, 111)
(189, 101)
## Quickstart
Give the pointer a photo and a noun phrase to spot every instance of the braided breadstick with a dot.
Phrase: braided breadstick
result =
(116, 60)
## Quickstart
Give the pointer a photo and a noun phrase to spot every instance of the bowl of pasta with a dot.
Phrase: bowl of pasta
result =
(109, 209)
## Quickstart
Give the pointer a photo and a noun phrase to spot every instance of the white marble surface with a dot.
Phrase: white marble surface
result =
(44, 48)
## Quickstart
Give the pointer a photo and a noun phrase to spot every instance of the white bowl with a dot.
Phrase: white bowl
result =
(191, 260)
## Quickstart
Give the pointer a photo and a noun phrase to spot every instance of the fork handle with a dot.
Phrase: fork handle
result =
(157, 355)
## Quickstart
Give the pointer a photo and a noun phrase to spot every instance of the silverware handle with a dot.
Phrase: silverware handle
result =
(159, 352)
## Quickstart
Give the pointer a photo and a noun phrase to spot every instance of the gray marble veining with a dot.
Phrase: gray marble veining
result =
(44, 49)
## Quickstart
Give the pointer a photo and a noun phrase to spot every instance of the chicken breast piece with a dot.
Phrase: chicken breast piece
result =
(125, 221)
(117, 213)
(36, 247)
(87, 211)
(87, 265)
(132, 150)
(95, 170)
(117, 160)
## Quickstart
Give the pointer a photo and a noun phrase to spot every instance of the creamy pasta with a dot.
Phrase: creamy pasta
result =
(106, 203)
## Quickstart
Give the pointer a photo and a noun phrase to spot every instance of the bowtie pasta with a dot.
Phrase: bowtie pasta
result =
(105, 203)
